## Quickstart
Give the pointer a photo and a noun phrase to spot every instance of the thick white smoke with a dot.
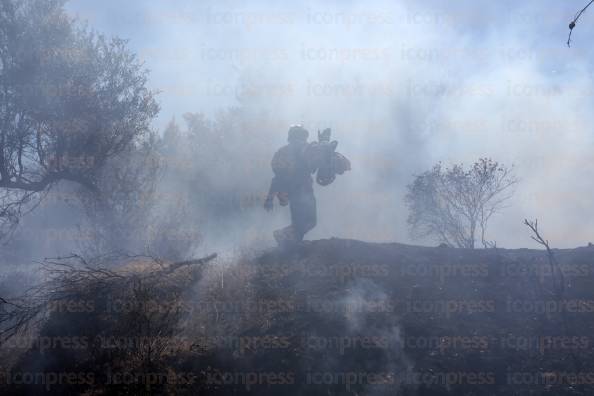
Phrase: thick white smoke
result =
(402, 84)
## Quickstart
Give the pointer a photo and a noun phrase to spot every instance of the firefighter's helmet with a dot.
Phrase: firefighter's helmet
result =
(298, 133)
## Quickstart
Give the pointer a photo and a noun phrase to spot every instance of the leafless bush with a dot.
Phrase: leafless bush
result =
(453, 204)
(150, 293)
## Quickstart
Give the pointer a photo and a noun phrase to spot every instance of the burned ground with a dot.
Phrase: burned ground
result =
(332, 317)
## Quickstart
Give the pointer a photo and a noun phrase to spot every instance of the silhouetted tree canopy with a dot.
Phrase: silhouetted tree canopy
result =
(69, 101)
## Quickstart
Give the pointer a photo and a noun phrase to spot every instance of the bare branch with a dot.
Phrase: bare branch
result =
(555, 270)
(575, 20)
(69, 277)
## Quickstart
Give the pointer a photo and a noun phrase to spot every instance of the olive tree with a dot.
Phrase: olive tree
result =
(453, 205)
(70, 100)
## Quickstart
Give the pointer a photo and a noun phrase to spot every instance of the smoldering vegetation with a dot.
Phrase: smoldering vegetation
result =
(136, 257)
(333, 317)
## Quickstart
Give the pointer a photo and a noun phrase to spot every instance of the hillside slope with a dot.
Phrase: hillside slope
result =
(341, 317)
(388, 319)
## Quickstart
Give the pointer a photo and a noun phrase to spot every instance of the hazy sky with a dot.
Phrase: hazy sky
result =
(404, 84)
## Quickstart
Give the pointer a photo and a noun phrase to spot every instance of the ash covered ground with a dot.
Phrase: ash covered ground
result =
(331, 317)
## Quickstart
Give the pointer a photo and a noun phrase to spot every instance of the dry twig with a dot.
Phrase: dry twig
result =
(574, 21)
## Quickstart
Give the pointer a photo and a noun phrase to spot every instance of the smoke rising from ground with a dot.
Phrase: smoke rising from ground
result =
(402, 86)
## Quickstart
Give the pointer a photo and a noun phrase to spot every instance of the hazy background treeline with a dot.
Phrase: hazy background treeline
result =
(403, 85)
